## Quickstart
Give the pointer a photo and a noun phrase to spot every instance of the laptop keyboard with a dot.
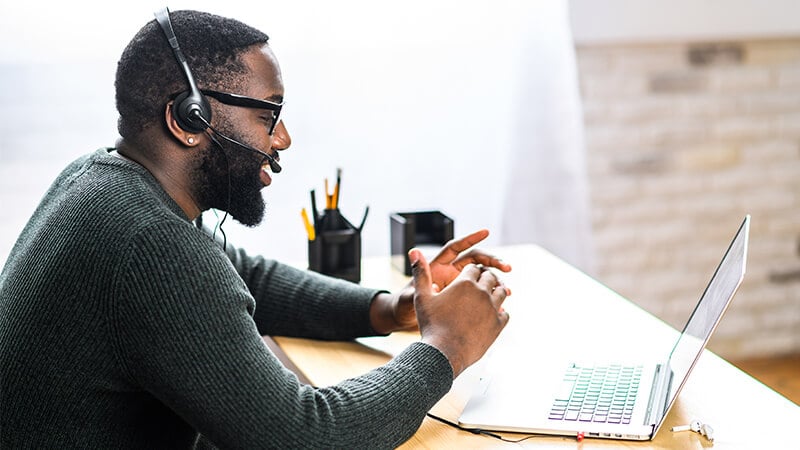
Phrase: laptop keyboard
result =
(603, 394)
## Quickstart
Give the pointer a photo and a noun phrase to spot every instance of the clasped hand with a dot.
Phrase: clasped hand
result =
(454, 299)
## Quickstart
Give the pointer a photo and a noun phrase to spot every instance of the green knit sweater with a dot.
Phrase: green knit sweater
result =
(122, 325)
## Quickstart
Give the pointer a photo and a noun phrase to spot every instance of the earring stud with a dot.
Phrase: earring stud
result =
(190, 140)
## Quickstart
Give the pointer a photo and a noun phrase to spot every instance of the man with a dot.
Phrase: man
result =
(124, 325)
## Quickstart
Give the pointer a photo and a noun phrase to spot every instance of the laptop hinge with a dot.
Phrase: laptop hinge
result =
(655, 404)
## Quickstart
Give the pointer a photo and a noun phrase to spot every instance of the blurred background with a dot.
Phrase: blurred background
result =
(630, 138)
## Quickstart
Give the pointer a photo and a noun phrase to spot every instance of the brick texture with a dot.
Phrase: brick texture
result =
(683, 139)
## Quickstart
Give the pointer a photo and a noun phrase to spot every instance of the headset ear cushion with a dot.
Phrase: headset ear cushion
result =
(185, 109)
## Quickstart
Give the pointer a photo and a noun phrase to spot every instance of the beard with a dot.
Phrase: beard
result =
(228, 180)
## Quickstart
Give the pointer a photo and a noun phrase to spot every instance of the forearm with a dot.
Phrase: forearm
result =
(248, 401)
(300, 303)
(197, 351)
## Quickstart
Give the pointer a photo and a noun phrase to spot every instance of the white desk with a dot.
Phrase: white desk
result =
(547, 292)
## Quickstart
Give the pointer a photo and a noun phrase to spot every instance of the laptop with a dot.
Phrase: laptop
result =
(627, 401)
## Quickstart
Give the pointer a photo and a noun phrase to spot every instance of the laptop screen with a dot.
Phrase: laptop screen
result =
(708, 312)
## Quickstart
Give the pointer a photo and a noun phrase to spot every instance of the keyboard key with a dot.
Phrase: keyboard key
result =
(597, 394)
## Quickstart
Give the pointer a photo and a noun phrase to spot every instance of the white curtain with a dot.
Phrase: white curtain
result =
(547, 189)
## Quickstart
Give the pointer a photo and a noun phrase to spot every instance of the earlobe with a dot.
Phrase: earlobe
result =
(183, 137)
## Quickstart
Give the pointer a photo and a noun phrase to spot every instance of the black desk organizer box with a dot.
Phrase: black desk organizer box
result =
(412, 229)
(336, 251)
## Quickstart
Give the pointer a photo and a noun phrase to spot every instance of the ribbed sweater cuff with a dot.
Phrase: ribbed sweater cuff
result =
(430, 364)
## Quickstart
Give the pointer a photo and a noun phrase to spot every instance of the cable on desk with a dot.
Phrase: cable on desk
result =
(479, 431)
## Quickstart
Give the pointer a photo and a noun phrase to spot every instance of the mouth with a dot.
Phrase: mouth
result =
(265, 174)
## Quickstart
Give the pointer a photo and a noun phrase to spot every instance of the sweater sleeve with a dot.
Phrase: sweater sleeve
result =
(302, 303)
(185, 334)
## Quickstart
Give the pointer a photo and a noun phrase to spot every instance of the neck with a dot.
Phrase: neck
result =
(170, 173)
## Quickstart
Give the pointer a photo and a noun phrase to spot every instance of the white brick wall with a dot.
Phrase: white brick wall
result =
(683, 139)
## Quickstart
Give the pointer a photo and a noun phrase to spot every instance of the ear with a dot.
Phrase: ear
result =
(184, 138)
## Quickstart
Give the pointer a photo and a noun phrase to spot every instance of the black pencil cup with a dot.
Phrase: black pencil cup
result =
(336, 249)
(413, 229)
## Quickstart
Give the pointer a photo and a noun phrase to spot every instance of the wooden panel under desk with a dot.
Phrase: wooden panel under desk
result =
(745, 414)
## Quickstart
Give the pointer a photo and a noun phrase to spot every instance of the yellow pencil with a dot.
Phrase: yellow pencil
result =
(328, 197)
(336, 188)
(309, 227)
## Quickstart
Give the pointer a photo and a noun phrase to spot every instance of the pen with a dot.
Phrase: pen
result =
(336, 187)
(309, 228)
(363, 219)
(314, 208)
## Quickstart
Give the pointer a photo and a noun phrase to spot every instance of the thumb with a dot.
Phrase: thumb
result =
(420, 271)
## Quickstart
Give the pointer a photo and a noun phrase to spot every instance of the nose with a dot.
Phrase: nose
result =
(280, 138)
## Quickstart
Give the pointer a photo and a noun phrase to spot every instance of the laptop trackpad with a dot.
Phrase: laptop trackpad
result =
(507, 399)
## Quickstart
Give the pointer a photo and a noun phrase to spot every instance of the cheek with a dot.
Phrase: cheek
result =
(255, 135)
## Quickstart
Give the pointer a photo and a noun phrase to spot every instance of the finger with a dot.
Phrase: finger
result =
(420, 272)
(453, 248)
(471, 272)
(492, 282)
(499, 295)
(488, 280)
(485, 259)
(503, 316)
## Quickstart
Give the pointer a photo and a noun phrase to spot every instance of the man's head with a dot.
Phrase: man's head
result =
(223, 55)
(148, 74)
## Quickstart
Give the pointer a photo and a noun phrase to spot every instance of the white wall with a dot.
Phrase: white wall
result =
(413, 101)
(603, 21)
(680, 147)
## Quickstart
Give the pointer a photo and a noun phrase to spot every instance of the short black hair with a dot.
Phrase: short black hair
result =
(148, 73)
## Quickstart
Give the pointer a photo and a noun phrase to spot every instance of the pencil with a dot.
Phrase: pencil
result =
(328, 197)
(309, 228)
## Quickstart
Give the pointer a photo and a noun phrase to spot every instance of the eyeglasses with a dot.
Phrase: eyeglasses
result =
(246, 102)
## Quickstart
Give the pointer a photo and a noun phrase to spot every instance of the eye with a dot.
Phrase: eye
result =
(269, 120)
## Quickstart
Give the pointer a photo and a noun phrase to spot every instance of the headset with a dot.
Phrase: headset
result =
(191, 108)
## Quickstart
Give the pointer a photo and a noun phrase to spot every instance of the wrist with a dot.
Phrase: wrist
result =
(381, 313)
(452, 356)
